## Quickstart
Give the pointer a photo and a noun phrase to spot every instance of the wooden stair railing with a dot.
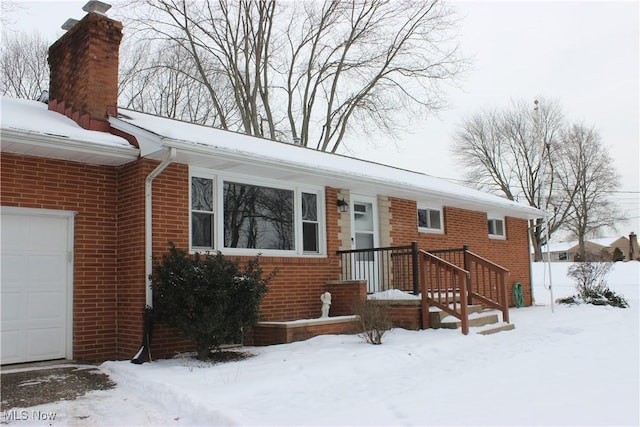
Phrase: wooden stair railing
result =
(452, 289)
(488, 283)
(443, 285)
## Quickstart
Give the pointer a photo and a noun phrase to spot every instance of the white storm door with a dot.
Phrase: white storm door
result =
(364, 229)
(36, 276)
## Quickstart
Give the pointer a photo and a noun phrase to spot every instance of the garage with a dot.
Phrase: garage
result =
(37, 284)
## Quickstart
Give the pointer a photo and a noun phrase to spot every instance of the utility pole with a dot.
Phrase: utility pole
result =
(542, 168)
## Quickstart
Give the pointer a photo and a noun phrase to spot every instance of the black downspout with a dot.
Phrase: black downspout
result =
(144, 354)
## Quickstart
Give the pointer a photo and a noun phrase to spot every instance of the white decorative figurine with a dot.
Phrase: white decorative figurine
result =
(326, 303)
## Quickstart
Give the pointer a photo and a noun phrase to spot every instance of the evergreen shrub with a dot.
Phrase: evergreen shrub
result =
(208, 298)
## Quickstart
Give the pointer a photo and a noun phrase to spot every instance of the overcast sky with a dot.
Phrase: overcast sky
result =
(584, 54)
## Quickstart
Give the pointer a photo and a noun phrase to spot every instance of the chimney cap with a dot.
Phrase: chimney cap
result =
(96, 6)
(69, 24)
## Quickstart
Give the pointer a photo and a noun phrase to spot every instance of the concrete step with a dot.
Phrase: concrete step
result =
(442, 314)
(436, 316)
(494, 328)
(475, 319)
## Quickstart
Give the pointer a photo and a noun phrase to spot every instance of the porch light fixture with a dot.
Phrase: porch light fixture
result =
(343, 206)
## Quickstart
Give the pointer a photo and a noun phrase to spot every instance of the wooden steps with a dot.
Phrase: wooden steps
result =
(481, 321)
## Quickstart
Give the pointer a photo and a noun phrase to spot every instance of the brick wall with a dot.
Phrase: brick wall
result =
(281, 334)
(170, 223)
(346, 295)
(470, 228)
(293, 294)
(30, 182)
(109, 270)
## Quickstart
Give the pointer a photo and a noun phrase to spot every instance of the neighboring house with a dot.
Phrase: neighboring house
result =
(604, 246)
(555, 252)
(85, 208)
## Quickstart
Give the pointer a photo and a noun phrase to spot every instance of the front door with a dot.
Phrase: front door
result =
(364, 235)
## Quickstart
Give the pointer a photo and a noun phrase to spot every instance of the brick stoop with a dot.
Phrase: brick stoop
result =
(269, 333)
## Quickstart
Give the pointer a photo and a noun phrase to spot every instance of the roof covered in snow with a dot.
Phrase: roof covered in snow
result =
(29, 128)
(605, 242)
(237, 153)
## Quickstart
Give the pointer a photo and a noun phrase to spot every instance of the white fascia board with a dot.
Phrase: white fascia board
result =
(148, 142)
(507, 207)
(28, 138)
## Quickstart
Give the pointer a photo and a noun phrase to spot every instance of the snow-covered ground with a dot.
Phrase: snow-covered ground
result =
(575, 366)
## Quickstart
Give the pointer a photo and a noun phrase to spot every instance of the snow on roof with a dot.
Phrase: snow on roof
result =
(565, 246)
(559, 247)
(168, 132)
(605, 241)
(34, 117)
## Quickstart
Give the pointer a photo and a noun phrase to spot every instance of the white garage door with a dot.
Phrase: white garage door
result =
(36, 274)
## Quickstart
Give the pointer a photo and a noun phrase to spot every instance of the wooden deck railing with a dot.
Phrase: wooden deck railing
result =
(443, 285)
(449, 279)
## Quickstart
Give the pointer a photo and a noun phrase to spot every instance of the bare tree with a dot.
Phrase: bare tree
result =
(512, 152)
(23, 65)
(312, 71)
(7, 8)
(587, 176)
(158, 79)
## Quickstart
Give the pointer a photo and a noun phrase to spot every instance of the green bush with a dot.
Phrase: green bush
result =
(208, 298)
(604, 296)
(618, 255)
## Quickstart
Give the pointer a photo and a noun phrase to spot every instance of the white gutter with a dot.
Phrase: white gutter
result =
(499, 205)
(151, 145)
(148, 222)
(26, 138)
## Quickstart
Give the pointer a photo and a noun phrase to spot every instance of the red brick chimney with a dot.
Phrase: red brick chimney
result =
(84, 71)
(633, 247)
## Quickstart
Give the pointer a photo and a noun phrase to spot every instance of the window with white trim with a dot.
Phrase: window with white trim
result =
(202, 213)
(258, 217)
(430, 219)
(255, 217)
(310, 223)
(496, 228)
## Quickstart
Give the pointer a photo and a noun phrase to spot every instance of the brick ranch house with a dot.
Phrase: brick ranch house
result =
(91, 193)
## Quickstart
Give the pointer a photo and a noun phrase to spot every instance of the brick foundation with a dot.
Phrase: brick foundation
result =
(267, 333)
